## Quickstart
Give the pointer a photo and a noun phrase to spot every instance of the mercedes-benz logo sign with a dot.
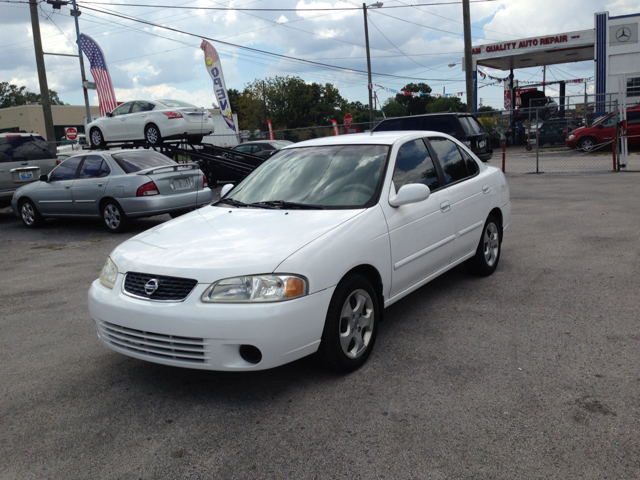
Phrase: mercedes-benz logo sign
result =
(623, 34)
(151, 286)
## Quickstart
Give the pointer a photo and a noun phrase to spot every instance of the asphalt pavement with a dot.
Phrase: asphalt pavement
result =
(533, 372)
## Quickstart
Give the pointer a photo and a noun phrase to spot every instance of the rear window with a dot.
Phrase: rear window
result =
(175, 103)
(135, 161)
(471, 125)
(16, 148)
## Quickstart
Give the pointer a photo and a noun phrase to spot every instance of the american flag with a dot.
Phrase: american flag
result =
(100, 72)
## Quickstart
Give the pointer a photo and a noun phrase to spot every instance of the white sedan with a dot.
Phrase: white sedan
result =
(151, 122)
(303, 255)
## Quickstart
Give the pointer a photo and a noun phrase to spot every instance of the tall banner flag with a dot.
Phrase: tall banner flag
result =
(100, 72)
(212, 61)
(335, 127)
(270, 129)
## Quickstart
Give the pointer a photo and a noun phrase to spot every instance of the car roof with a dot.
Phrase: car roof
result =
(20, 134)
(375, 138)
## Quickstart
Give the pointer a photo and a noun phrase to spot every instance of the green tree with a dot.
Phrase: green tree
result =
(11, 96)
(415, 105)
(446, 104)
(393, 108)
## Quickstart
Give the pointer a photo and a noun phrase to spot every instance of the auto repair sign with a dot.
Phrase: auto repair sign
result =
(212, 61)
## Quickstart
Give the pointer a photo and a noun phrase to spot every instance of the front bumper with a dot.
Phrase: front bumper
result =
(198, 335)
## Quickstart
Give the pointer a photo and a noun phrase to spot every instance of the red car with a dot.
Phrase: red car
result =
(602, 132)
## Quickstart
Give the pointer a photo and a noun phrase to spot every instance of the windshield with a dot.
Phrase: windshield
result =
(175, 103)
(337, 176)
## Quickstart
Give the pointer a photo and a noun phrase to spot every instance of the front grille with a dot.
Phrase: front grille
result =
(170, 289)
(157, 345)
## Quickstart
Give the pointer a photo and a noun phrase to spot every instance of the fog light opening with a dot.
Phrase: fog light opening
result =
(250, 354)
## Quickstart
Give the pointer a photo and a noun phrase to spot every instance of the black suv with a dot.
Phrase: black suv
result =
(462, 126)
(555, 131)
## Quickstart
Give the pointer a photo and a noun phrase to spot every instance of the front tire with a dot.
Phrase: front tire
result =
(30, 215)
(487, 256)
(152, 134)
(113, 217)
(587, 144)
(96, 138)
(351, 325)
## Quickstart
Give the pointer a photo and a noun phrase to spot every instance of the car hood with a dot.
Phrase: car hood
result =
(219, 242)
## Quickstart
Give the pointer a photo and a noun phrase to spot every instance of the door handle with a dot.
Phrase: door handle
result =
(486, 189)
(101, 184)
(143, 115)
(67, 186)
(445, 206)
(122, 119)
(24, 163)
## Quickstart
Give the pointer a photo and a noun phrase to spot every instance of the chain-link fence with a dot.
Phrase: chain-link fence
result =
(546, 138)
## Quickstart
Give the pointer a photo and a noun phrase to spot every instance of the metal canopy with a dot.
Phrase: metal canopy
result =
(537, 51)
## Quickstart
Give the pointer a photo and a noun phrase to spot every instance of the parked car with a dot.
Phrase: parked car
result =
(262, 148)
(114, 186)
(603, 132)
(152, 122)
(23, 158)
(303, 255)
(70, 147)
(555, 131)
(462, 126)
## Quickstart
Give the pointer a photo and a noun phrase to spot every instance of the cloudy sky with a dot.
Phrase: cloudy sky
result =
(415, 43)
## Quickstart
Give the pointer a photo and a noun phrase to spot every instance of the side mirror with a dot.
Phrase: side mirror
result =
(44, 178)
(226, 189)
(109, 114)
(410, 193)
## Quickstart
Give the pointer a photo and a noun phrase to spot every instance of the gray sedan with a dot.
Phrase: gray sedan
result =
(114, 186)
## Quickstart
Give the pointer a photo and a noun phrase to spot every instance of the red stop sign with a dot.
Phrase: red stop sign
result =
(348, 120)
(71, 133)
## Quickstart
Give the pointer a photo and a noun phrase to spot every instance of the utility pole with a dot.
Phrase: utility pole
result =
(42, 73)
(369, 83)
(468, 61)
(264, 101)
(75, 13)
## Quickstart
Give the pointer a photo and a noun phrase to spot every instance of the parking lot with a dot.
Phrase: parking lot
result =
(533, 372)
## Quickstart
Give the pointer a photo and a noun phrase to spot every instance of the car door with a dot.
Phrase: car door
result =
(138, 118)
(469, 189)
(115, 127)
(421, 234)
(90, 185)
(55, 197)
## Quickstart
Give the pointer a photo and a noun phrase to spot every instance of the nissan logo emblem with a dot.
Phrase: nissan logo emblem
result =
(151, 286)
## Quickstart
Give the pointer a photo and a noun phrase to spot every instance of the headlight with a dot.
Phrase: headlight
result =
(109, 273)
(571, 136)
(256, 288)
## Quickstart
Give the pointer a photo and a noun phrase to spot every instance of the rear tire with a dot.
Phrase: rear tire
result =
(487, 256)
(351, 325)
(96, 138)
(152, 135)
(113, 217)
(30, 215)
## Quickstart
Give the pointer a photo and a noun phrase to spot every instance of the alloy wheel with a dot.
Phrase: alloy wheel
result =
(491, 244)
(112, 216)
(28, 214)
(356, 323)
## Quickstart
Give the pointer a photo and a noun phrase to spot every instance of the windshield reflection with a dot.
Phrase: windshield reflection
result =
(337, 176)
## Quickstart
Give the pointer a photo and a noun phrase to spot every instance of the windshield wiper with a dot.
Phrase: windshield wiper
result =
(231, 201)
(284, 204)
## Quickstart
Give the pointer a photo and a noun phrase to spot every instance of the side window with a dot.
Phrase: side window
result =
(91, 167)
(142, 107)
(451, 161)
(414, 165)
(472, 165)
(244, 148)
(66, 170)
(633, 118)
(104, 170)
(122, 109)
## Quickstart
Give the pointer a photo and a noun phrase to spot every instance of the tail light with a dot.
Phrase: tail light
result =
(147, 189)
(58, 162)
(538, 132)
(210, 115)
(205, 184)
(173, 115)
(565, 130)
